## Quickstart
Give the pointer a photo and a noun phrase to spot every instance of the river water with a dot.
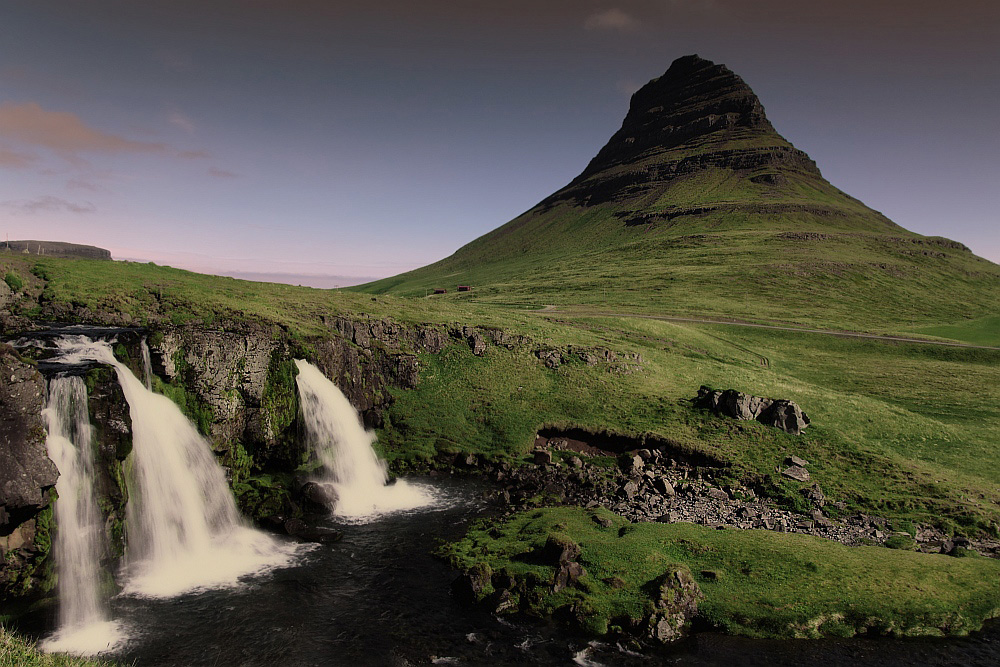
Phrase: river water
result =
(379, 598)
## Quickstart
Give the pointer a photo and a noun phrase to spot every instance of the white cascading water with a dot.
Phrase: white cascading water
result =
(85, 625)
(147, 366)
(183, 529)
(350, 465)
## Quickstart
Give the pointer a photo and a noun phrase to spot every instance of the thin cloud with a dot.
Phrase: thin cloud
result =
(63, 132)
(13, 160)
(182, 121)
(194, 155)
(221, 173)
(611, 19)
(48, 204)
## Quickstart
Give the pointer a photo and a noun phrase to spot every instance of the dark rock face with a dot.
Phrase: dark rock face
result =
(25, 469)
(780, 413)
(680, 123)
(26, 473)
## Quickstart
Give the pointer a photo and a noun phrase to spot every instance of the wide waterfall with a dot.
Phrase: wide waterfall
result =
(85, 625)
(183, 530)
(344, 448)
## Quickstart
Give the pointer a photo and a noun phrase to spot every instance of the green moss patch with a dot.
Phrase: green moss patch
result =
(755, 583)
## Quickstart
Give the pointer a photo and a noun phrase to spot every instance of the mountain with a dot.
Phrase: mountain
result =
(698, 206)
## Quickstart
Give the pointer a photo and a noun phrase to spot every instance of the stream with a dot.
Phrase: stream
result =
(378, 597)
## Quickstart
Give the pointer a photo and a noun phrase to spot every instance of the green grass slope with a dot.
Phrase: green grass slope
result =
(755, 583)
(683, 214)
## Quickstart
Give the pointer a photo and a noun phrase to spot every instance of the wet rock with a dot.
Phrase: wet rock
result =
(472, 585)
(319, 496)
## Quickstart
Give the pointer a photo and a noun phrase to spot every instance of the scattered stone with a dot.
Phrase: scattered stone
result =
(796, 461)
(629, 489)
(465, 460)
(797, 473)
(718, 494)
(576, 461)
(663, 486)
(543, 457)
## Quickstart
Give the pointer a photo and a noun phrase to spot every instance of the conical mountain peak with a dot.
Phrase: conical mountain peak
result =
(698, 115)
(697, 200)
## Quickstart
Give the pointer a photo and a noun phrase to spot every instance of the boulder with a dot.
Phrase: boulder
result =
(798, 473)
(567, 574)
(321, 496)
(780, 413)
(675, 601)
(785, 415)
(559, 549)
(543, 457)
(663, 486)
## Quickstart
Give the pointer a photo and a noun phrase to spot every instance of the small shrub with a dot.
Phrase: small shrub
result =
(13, 281)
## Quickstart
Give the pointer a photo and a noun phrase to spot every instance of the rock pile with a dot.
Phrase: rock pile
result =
(778, 412)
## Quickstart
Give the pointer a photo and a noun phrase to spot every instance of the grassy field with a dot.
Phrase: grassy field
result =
(755, 583)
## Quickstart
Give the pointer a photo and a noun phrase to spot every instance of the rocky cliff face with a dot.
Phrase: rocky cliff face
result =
(26, 475)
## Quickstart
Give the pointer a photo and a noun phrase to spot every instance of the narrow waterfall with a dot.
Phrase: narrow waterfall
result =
(343, 446)
(147, 366)
(85, 625)
(183, 530)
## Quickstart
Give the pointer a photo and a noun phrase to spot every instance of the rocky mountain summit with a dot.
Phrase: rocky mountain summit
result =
(698, 115)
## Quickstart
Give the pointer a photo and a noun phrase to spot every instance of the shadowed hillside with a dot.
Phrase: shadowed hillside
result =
(697, 205)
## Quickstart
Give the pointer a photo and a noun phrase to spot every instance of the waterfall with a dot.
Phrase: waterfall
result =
(147, 366)
(344, 448)
(85, 625)
(183, 530)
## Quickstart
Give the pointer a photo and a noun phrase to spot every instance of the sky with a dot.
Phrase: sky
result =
(329, 142)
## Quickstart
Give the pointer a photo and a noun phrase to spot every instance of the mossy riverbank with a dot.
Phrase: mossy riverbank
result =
(753, 583)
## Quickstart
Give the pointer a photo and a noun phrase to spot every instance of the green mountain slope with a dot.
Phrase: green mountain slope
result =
(697, 205)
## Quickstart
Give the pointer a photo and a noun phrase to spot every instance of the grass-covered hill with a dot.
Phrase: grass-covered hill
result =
(697, 205)
(904, 430)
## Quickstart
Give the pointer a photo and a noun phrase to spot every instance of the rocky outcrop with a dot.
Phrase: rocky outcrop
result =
(780, 413)
(26, 475)
(697, 116)
(675, 602)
